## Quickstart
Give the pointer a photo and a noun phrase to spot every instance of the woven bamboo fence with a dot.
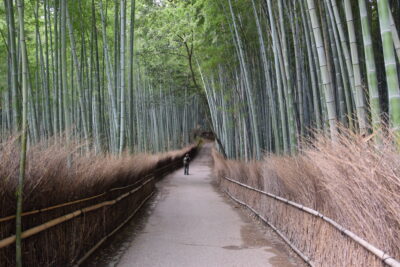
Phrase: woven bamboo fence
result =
(67, 234)
(304, 229)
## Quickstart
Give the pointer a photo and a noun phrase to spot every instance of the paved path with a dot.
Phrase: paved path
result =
(192, 224)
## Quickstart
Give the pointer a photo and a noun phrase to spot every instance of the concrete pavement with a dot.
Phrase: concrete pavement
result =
(193, 224)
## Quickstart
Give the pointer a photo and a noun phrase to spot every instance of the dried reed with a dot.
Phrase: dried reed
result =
(353, 181)
(55, 175)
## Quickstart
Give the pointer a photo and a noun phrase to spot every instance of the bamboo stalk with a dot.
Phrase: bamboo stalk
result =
(275, 45)
(359, 92)
(391, 71)
(370, 65)
(122, 77)
(16, 111)
(395, 35)
(325, 74)
(24, 136)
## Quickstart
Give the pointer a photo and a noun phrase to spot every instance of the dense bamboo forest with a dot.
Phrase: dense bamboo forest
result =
(298, 66)
(262, 74)
(85, 80)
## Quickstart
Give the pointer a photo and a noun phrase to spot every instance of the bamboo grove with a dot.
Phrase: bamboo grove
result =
(300, 66)
(85, 80)
(143, 74)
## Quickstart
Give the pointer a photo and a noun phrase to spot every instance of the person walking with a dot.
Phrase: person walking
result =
(186, 161)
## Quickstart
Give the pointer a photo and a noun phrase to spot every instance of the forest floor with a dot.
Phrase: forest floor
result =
(191, 223)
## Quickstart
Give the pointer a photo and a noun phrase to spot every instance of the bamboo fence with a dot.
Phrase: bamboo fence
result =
(11, 217)
(140, 186)
(98, 244)
(384, 257)
(40, 228)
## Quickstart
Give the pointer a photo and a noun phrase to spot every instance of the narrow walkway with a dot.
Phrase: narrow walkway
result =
(194, 225)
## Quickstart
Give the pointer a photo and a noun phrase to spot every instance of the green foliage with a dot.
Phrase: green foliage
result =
(165, 32)
(158, 46)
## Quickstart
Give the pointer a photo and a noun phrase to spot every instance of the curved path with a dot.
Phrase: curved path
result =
(192, 224)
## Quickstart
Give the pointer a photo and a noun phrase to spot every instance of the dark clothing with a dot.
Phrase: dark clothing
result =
(186, 170)
(186, 161)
